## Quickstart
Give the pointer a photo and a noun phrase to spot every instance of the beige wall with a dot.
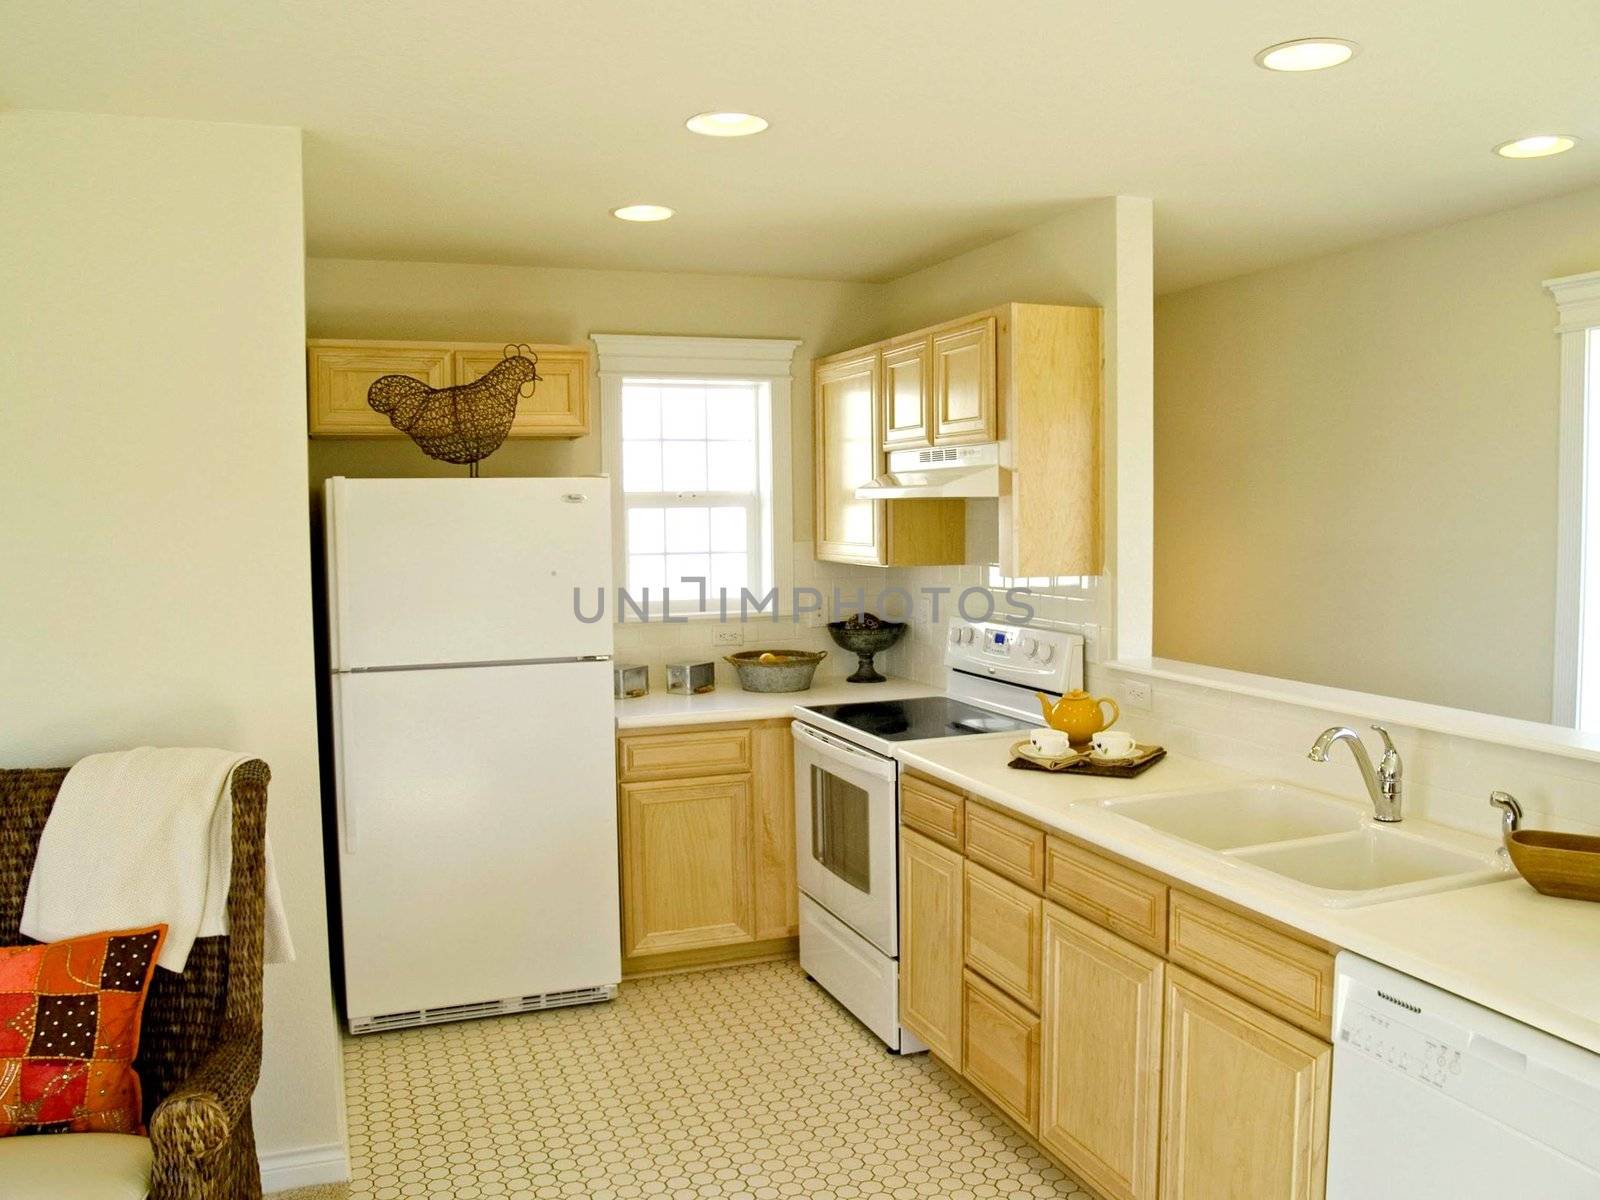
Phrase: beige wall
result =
(1356, 463)
(152, 472)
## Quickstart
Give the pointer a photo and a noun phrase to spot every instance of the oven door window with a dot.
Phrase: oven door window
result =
(841, 829)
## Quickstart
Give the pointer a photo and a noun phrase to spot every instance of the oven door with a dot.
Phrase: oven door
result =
(845, 836)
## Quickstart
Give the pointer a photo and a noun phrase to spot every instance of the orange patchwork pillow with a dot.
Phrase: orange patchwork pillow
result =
(69, 1029)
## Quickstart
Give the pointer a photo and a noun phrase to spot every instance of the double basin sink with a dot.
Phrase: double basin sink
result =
(1328, 849)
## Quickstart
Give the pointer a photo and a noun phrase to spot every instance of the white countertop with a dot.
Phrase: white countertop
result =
(1500, 944)
(660, 709)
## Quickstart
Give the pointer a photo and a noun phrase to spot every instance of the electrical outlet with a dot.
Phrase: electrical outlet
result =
(729, 637)
(1136, 694)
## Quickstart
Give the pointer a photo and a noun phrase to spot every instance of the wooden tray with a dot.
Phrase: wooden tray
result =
(1557, 864)
(1144, 757)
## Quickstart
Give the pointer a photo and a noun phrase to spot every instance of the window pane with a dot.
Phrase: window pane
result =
(729, 571)
(688, 530)
(683, 412)
(680, 566)
(646, 532)
(731, 466)
(641, 412)
(646, 571)
(731, 413)
(683, 466)
(641, 466)
(728, 529)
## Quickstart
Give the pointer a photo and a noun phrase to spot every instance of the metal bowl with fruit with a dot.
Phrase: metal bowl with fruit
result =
(776, 670)
(864, 635)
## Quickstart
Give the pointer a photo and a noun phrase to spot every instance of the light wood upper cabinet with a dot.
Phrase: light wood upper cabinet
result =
(847, 419)
(559, 406)
(964, 383)
(339, 372)
(1245, 1111)
(1100, 1083)
(687, 852)
(907, 393)
(930, 944)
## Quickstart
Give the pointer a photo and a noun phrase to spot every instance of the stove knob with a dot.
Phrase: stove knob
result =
(955, 635)
(967, 636)
(1030, 646)
(1046, 652)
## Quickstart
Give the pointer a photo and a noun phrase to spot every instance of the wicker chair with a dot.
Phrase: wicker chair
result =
(200, 1046)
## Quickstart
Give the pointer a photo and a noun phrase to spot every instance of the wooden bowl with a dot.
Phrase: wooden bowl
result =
(1557, 864)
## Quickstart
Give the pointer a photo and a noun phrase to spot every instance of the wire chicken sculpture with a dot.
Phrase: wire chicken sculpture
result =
(462, 424)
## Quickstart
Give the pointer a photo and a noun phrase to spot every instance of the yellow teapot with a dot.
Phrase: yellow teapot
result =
(1078, 715)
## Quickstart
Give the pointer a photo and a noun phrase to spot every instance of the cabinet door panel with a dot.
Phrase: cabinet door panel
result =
(1001, 1046)
(772, 776)
(559, 405)
(1245, 1104)
(686, 862)
(930, 944)
(846, 419)
(339, 374)
(1002, 934)
(907, 384)
(1100, 1095)
(964, 384)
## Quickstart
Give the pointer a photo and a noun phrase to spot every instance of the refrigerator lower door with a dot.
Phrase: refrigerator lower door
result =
(477, 838)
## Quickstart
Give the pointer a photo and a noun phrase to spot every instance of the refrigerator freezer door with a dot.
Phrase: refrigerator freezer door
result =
(477, 834)
(426, 571)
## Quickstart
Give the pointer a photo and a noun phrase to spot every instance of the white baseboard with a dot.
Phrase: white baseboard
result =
(304, 1167)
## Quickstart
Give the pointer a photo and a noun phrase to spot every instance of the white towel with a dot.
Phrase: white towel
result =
(144, 837)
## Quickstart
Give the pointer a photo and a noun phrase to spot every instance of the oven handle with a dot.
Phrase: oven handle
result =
(875, 764)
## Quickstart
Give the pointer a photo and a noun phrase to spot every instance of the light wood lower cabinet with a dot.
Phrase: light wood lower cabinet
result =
(930, 944)
(706, 843)
(1245, 1110)
(686, 848)
(1100, 1081)
(1053, 979)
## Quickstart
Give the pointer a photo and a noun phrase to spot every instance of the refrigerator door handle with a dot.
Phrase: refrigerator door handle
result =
(341, 791)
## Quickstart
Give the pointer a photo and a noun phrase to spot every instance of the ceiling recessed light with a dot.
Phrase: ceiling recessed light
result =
(642, 212)
(1540, 145)
(726, 124)
(1306, 54)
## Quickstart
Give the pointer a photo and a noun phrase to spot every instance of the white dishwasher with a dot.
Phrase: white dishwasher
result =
(1435, 1098)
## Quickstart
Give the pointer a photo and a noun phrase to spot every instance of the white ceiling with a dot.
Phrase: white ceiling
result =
(505, 130)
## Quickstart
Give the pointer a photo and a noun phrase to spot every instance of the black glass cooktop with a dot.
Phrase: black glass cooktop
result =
(922, 717)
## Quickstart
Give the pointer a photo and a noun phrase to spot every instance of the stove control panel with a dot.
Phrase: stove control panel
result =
(1048, 659)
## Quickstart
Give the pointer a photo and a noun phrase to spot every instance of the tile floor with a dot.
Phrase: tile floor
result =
(743, 1082)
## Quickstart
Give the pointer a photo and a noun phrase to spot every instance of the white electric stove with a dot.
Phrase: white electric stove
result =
(847, 802)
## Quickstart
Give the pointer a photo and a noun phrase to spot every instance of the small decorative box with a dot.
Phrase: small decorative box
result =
(691, 678)
(630, 679)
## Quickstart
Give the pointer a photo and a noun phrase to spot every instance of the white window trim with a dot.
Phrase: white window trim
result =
(1578, 300)
(761, 360)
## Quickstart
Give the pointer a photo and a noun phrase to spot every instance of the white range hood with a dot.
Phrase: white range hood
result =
(939, 472)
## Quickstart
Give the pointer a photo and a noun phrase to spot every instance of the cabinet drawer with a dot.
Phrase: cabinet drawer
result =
(1003, 924)
(1001, 1051)
(684, 754)
(1287, 978)
(1107, 893)
(1006, 846)
(932, 810)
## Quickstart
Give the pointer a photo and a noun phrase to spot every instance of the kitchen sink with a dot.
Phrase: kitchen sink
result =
(1371, 865)
(1326, 848)
(1245, 815)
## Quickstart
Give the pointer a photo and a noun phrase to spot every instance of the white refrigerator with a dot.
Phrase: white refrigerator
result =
(473, 746)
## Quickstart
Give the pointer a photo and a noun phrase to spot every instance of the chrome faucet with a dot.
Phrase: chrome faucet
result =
(1383, 781)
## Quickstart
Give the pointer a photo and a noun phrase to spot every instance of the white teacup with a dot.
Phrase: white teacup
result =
(1113, 743)
(1050, 742)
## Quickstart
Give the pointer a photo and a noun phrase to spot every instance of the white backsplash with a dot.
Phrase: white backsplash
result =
(1447, 777)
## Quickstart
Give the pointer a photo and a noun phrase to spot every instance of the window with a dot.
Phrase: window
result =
(694, 495)
(1577, 658)
(697, 492)
(1038, 583)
